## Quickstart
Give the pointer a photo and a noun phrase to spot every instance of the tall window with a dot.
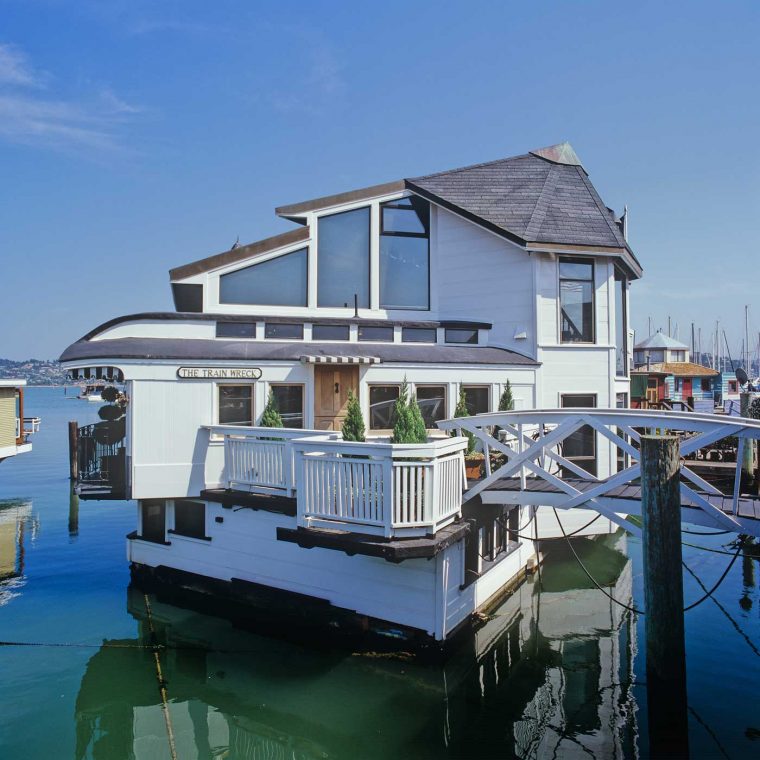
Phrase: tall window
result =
(289, 400)
(153, 520)
(580, 446)
(278, 282)
(621, 324)
(343, 258)
(236, 404)
(576, 299)
(405, 254)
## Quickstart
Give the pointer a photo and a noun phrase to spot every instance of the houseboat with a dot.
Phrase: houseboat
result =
(511, 273)
(15, 428)
(92, 392)
(666, 378)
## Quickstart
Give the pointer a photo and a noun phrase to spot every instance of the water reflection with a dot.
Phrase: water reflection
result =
(549, 672)
(17, 527)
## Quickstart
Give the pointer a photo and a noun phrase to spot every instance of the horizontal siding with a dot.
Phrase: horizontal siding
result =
(7, 417)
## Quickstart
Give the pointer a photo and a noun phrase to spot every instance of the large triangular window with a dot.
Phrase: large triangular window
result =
(281, 281)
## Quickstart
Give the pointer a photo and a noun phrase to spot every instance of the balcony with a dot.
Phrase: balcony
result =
(378, 488)
(26, 426)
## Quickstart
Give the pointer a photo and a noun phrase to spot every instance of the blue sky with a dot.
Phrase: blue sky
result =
(136, 136)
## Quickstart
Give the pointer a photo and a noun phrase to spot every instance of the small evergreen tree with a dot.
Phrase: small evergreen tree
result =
(271, 415)
(353, 425)
(408, 426)
(462, 411)
(506, 401)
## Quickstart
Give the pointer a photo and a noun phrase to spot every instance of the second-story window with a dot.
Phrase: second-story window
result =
(405, 254)
(330, 332)
(280, 281)
(343, 258)
(621, 324)
(576, 300)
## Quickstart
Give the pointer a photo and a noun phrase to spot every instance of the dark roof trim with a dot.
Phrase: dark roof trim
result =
(365, 193)
(198, 349)
(173, 316)
(500, 231)
(241, 253)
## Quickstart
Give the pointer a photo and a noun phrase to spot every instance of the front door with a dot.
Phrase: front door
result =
(331, 386)
(687, 389)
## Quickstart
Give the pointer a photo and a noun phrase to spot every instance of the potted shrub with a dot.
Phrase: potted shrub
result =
(353, 424)
(408, 427)
(473, 460)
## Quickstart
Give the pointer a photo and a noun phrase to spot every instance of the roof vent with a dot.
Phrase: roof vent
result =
(562, 153)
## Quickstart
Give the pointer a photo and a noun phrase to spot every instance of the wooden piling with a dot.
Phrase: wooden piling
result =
(663, 596)
(748, 449)
(73, 441)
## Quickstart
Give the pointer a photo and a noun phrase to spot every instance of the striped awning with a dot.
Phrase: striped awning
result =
(108, 374)
(310, 359)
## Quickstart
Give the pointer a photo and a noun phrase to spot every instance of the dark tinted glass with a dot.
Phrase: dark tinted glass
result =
(621, 328)
(432, 403)
(418, 335)
(404, 254)
(187, 297)
(343, 259)
(477, 398)
(236, 405)
(459, 335)
(154, 520)
(283, 330)
(380, 334)
(382, 400)
(235, 329)
(329, 332)
(580, 447)
(289, 400)
(278, 282)
(190, 518)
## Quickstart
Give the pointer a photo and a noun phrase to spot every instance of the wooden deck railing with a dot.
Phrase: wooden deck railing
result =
(382, 488)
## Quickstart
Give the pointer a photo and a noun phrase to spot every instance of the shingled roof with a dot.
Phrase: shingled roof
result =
(540, 197)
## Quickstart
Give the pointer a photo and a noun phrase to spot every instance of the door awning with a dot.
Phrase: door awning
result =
(312, 359)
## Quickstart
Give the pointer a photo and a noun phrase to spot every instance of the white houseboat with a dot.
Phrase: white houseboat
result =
(15, 428)
(512, 271)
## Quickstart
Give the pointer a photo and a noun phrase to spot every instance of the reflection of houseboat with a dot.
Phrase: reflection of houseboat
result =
(15, 428)
(511, 271)
(549, 670)
(15, 518)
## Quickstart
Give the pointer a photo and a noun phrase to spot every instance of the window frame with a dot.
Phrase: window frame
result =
(576, 460)
(161, 503)
(489, 394)
(475, 334)
(222, 322)
(560, 280)
(275, 322)
(387, 328)
(176, 532)
(382, 232)
(302, 386)
(317, 325)
(445, 388)
(318, 220)
(251, 263)
(370, 386)
(218, 393)
(619, 276)
(405, 330)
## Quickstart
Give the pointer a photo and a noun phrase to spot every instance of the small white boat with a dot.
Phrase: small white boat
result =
(92, 392)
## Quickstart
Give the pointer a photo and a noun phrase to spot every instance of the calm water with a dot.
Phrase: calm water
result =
(558, 673)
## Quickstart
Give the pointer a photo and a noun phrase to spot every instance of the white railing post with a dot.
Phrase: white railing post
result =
(388, 501)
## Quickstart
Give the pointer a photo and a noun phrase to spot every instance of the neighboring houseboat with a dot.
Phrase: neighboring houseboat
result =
(92, 392)
(666, 378)
(512, 271)
(15, 429)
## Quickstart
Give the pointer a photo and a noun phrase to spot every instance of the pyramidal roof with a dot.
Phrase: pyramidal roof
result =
(544, 196)
(660, 340)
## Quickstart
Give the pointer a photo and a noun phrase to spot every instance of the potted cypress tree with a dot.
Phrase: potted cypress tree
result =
(270, 417)
(353, 424)
(473, 460)
(409, 427)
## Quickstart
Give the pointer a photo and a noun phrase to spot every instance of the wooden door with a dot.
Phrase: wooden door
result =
(687, 390)
(331, 387)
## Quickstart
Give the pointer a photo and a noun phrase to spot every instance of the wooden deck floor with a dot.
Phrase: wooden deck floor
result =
(749, 506)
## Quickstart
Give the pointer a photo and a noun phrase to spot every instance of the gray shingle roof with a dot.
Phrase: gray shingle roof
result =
(533, 198)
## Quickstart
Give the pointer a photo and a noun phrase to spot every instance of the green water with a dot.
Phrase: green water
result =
(558, 673)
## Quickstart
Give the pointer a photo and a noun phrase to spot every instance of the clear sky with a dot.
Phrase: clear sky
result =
(137, 135)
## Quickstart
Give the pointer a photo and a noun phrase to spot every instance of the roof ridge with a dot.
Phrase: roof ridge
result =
(531, 230)
(471, 166)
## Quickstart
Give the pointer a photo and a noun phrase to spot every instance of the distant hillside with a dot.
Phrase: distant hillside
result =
(34, 371)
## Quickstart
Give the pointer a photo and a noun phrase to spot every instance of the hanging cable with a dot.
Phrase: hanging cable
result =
(720, 580)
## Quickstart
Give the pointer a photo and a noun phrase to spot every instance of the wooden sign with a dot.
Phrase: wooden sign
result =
(219, 373)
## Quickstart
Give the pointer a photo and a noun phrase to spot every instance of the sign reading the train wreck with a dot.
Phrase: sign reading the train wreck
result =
(219, 373)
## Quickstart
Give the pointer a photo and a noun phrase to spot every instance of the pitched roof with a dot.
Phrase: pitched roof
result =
(682, 369)
(660, 340)
(542, 197)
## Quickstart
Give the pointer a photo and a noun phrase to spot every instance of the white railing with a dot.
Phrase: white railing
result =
(27, 426)
(260, 459)
(381, 488)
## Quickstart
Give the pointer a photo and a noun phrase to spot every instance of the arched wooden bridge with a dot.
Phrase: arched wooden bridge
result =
(539, 470)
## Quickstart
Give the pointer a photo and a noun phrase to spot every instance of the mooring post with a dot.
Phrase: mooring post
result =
(663, 597)
(73, 436)
(73, 511)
